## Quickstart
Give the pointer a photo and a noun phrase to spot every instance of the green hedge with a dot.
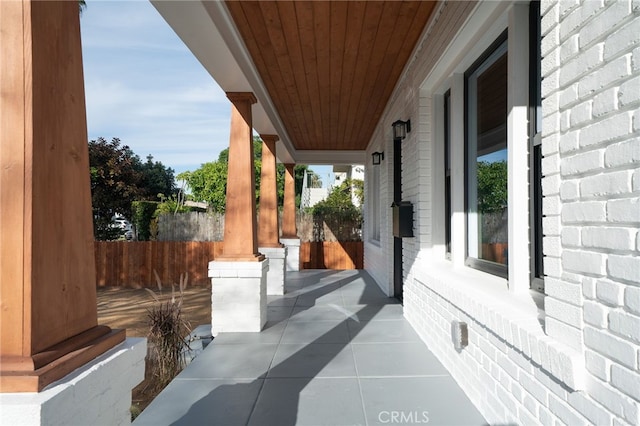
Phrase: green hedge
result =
(142, 215)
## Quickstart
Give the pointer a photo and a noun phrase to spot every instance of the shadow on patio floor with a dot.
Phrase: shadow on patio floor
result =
(336, 351)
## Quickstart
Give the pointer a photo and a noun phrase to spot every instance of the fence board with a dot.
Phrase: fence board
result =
(331, 255)
(131, 263)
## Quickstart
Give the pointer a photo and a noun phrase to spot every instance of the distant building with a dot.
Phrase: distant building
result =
(312, 192)
(345, 172)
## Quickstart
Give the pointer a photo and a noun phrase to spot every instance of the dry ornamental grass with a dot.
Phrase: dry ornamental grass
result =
(129, 309)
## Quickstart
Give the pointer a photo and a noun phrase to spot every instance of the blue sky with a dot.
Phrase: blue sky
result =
(145, 87)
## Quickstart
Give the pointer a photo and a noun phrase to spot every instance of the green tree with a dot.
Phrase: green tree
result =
(492, 186)
(357, 186)
(339, 213)
(118, 177)
(209, 182)
(157, 179)
(115, 183)
(338, 198)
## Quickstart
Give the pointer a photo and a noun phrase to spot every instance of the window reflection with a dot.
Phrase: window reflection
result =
(487, 159)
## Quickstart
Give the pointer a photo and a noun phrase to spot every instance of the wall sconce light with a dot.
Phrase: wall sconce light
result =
(377, 158)
(400, 129)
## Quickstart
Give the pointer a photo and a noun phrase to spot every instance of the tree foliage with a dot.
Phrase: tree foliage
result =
(357, 186)
(209, 182)
(157, 180)
(492, 186)
(341, 196)
(115, 175)
(338, 212)
(141, 217)
(119, 177)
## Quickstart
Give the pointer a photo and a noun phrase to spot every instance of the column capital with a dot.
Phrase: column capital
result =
(269, 138)
(241, 96)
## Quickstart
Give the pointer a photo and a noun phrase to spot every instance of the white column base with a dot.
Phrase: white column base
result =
(98, 393)
(238, 296)
(293, 253)
(276, 276)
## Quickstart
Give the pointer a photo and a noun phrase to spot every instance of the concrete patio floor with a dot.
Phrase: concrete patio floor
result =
(335, 351)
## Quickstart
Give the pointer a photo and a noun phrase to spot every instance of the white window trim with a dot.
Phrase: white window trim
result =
(518, 149)
(511, 314)
(374, 203)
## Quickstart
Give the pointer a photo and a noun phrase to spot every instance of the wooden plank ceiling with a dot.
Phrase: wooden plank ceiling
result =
(330, 66)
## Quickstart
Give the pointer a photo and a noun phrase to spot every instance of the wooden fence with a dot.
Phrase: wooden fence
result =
(199, 226)
(131, 263)
(331, 255)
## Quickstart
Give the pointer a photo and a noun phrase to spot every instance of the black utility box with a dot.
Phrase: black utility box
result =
(402, 219)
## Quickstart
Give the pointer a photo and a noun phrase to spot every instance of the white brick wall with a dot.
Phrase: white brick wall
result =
(98, 393)
(599, 154)
(378, 255)
(238, 296)
(514, 370)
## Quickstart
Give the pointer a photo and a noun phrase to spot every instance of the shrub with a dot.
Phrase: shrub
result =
(339, 214)
(142, 214)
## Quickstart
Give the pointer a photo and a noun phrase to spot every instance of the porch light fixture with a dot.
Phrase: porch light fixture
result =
(377, 158)
(400, 129)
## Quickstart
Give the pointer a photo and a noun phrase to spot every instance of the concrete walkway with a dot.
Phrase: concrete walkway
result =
(335, 351)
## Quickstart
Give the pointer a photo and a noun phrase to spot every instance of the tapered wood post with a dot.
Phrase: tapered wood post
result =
(48, 317)
(239, 275)
(289, 209)
(240, 225)
(269, 232)
(268, 229)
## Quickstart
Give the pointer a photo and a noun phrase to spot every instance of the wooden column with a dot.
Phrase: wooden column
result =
(240, 225)
(289, 210)
(268, 229)
(48, 315)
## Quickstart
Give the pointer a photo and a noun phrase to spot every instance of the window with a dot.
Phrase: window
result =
(486, 161)
(487, 121)
(535, 147)
(447, 173)
(374, 196)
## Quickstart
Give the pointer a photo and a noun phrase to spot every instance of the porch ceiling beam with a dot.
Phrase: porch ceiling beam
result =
(330, 157)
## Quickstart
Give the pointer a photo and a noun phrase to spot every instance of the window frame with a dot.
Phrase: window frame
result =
(536, 255)
(448, 217)
(374, 195)
(476, 263)
(511, 19)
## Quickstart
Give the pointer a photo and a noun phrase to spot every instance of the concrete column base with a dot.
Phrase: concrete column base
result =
(98, 393)
(277, 269)
(238, 296)
(293, 253)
